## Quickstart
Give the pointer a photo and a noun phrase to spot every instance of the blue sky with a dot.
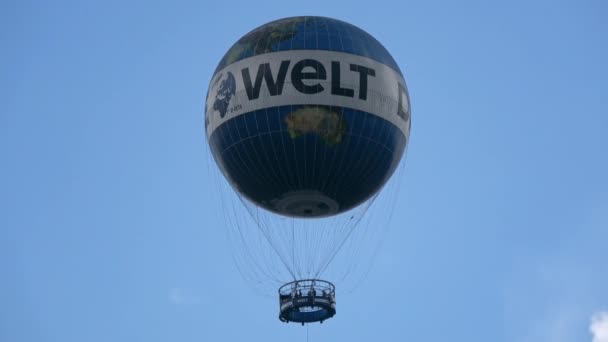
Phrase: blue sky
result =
(108, 222)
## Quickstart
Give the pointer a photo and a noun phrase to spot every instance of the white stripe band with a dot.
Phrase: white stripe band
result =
(381, 91)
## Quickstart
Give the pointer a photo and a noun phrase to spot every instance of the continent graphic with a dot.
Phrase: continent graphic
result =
(263, 40)
(329, 125)
(227, 87)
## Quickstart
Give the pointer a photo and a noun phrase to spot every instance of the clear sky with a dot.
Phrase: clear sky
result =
(108, 225)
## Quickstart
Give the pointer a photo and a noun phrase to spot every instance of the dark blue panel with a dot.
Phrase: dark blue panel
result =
(323, 42)
(335, 43)
(310, 41)
(347, 45)
(273, 118)
(297, 44)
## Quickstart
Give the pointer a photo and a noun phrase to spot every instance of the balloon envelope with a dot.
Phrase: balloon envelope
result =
(307, 117)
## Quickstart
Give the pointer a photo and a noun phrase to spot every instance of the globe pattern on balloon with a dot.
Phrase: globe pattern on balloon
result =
(303, 158)
(227, 87)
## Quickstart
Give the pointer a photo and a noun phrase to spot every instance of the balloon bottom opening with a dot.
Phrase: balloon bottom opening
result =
(307, 204)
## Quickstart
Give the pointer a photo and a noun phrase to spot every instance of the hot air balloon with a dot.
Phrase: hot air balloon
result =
(307, 119)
